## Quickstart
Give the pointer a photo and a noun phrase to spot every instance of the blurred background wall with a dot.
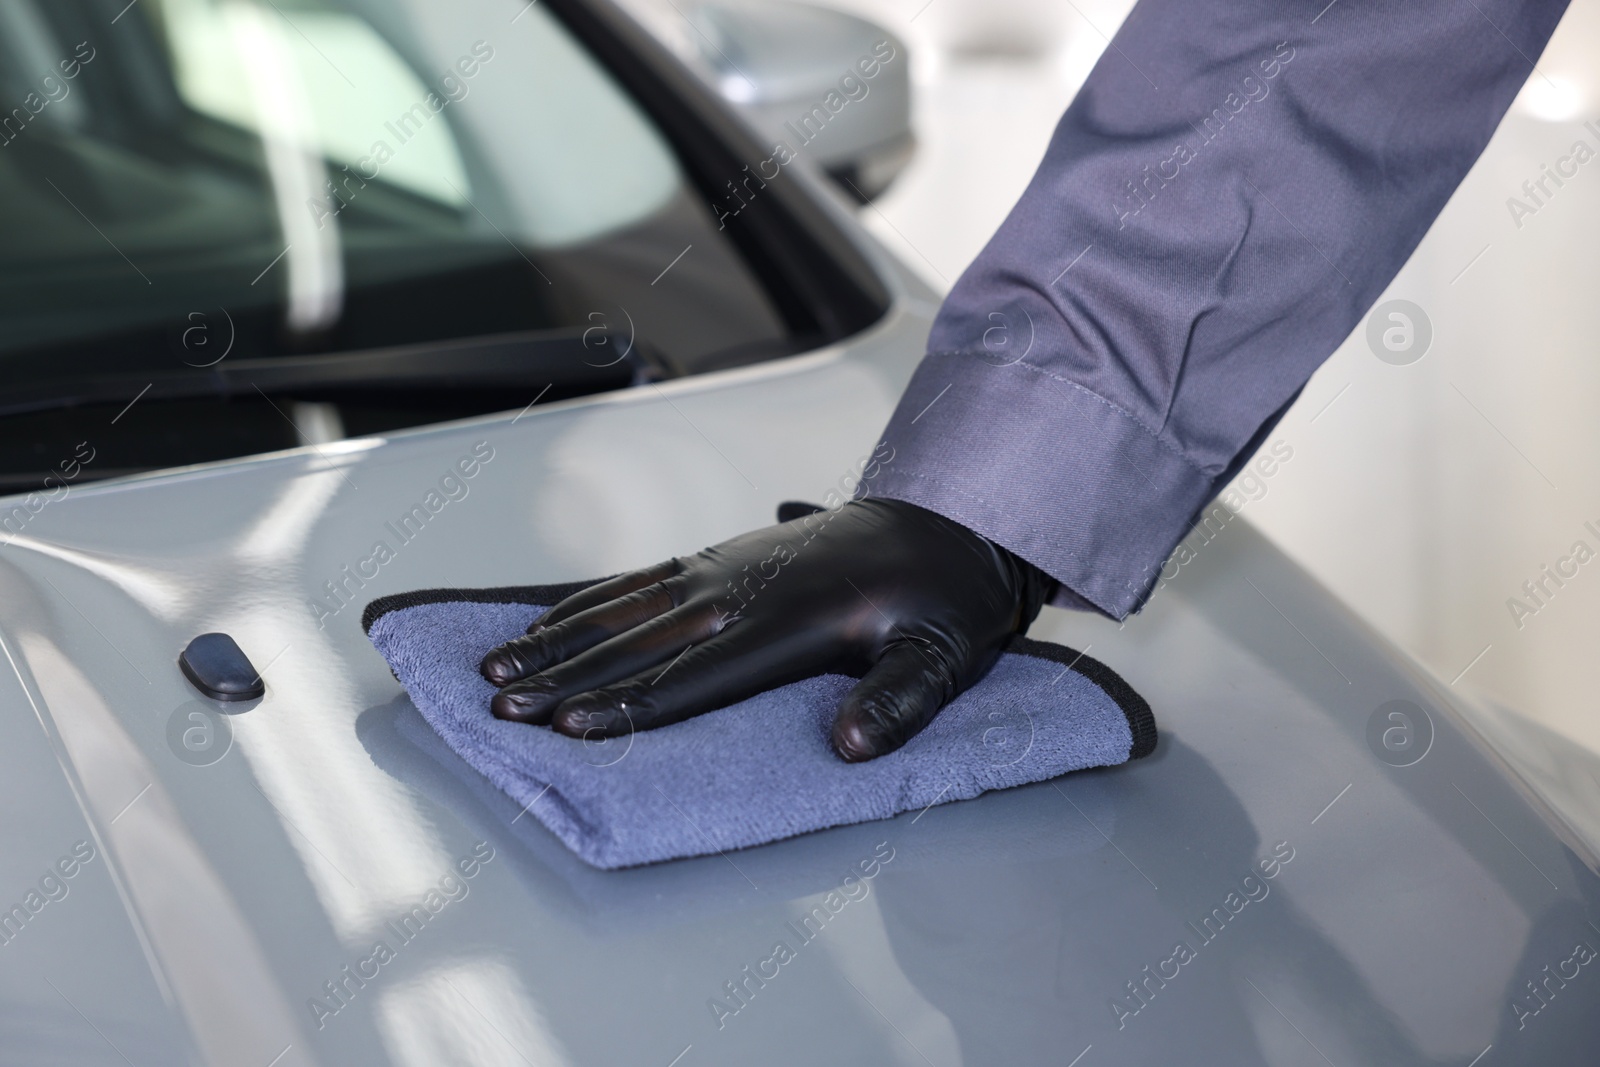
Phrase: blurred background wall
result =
(1424, 495)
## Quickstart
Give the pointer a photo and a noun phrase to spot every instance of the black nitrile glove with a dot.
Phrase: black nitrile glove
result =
(915, 605)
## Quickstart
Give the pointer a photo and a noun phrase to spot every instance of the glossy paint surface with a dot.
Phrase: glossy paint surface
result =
(313, 877)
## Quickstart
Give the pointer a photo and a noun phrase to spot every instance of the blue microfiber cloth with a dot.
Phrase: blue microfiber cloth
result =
(1051, 821)
(756, 771)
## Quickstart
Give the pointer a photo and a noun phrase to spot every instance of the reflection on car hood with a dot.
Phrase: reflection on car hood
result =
(312, 876)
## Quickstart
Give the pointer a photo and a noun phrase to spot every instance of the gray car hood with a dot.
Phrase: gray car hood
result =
(1430, 909)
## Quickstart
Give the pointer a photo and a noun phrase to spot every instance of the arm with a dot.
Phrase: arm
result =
(1226, 196)
(1229, 192)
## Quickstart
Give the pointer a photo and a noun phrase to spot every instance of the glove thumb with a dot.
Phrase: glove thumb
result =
(896, 698)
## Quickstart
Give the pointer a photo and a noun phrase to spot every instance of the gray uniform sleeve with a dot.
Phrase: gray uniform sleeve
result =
(1229, 192)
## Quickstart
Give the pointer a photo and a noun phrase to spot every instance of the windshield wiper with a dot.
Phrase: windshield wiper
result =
(569, 360)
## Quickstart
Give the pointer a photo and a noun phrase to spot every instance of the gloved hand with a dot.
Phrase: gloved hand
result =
(913, 604)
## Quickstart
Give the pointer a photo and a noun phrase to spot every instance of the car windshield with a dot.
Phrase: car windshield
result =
(191, 187)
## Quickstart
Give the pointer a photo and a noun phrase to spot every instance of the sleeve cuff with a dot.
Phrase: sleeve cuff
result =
(1049, 470)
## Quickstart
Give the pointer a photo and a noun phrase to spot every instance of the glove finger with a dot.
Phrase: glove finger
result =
(734, 665)
(891, 704)
(544, 648)
(608, 590)
(647, 647)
